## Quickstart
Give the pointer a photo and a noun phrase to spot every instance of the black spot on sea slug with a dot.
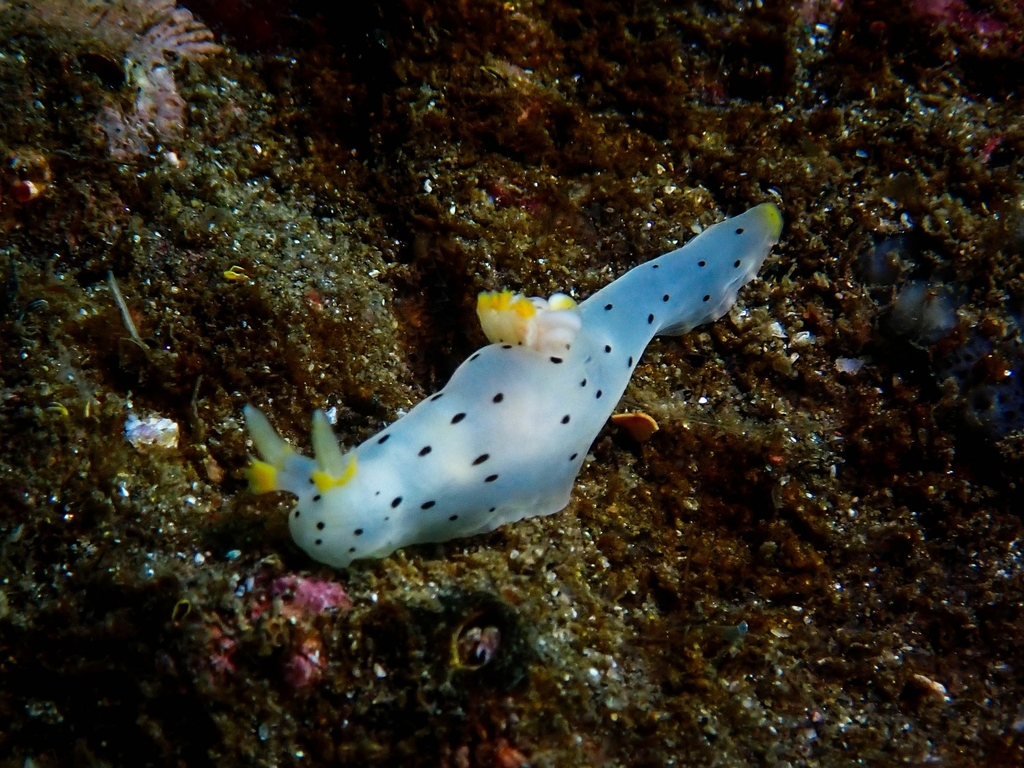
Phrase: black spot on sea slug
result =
(607, 307)
(317, 497)
(739, 231)
(490, 478)
(425, 450)
(573, 457)
(655, 266)
(351, 549)
(383, 439)
(318, 542)
(296, 514)
(312, 481)
(630, 363)
(481, 459)
(320, 525)
(396, 501)
(427, 504)
(437, 397)
(650, 319)
(702, 263)
(357, 532)
(737, 263)
(599, 393)
(583, 383)
(498, 398)
(506, 346)
(474, 357)
(565, 419)
(458, 417)
(556, 360)
(607, 347)
(707, 297)
(492, 509)
(453, 518)
(665, 297)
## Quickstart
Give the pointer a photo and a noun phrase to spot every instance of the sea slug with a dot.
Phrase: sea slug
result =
(507, 436)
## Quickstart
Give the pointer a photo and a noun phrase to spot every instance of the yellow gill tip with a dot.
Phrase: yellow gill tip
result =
(523, 307)
(561, 301)
(493, 300)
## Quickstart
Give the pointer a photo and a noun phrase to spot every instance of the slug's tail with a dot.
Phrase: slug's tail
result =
(728, 256)
(691, 285)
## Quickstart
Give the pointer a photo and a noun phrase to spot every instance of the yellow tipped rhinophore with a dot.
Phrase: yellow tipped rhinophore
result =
(276, 470)
(262, 476)
(324, 481)
(333, 467)
(270, 446)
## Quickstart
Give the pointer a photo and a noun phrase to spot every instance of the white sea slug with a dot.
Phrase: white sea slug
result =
(506, 437)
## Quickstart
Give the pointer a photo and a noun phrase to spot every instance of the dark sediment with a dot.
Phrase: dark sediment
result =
(815, 560)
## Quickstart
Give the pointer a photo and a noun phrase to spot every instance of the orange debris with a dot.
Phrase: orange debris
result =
(639, 424)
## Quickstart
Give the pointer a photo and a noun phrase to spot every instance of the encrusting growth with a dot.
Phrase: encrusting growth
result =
(152, 36)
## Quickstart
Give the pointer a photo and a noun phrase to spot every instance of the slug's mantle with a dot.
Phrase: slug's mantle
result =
(507, 435)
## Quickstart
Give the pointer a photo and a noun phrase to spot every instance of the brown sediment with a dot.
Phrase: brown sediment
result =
(793, 569)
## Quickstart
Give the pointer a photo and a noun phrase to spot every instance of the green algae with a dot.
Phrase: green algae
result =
(861, 533)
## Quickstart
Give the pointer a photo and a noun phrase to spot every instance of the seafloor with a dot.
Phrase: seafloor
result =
(815, 562)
